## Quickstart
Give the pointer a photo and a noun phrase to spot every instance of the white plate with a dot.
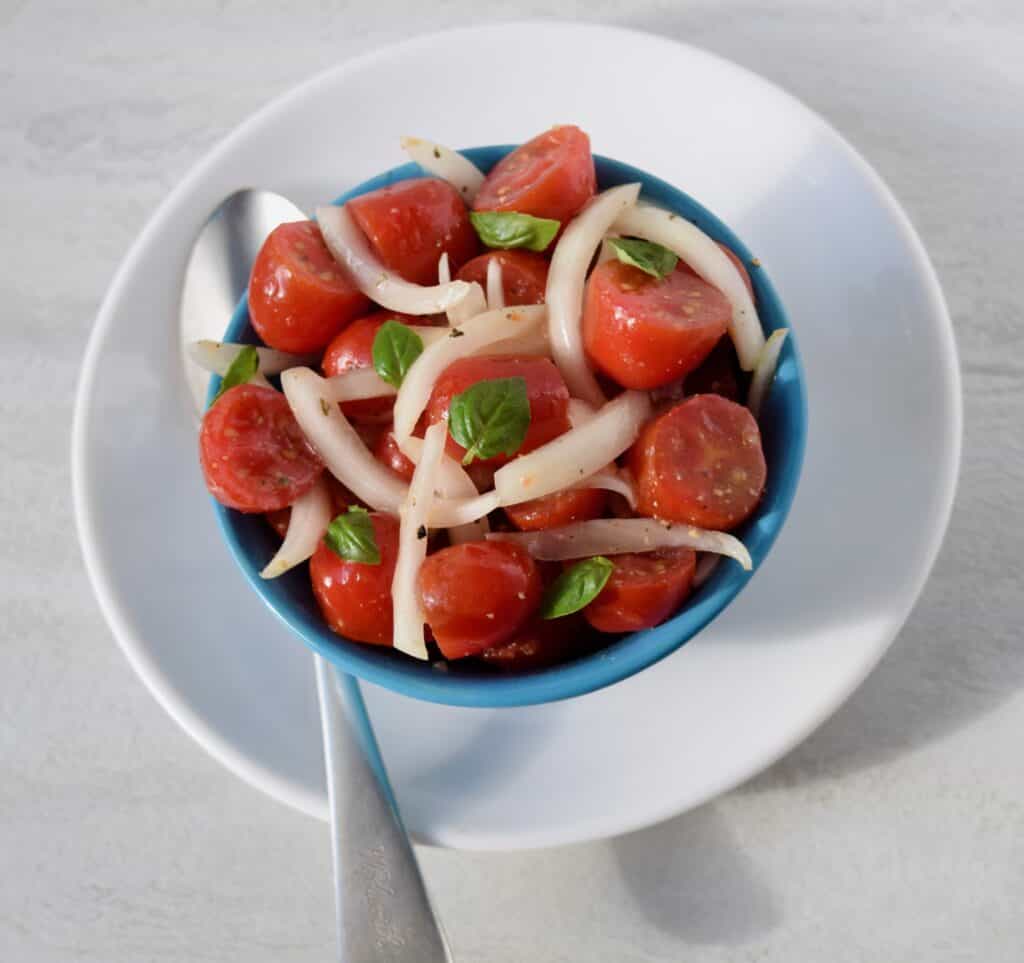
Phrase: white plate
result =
(877, 486)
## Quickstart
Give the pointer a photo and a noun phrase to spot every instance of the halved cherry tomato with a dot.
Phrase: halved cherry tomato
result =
(409, 225)
(717, 374)
(253, 453)
(353, 348)
(524, 275)
(478, 595)
(737, 260)
(701, 463)
(387, 451)
(558, 508)
(643, 590)
(341, 498)
(355, 597)
(299, 296)
(549, 176)
(539, 644)
(643, 331)
(545, 388)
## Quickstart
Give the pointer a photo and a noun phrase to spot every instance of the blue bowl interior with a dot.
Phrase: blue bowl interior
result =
(783, 423)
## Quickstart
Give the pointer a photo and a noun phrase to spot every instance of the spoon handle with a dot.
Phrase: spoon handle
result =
(384, 912)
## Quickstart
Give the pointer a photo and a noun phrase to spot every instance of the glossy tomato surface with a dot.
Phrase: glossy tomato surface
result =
(524, 275)
(643, 590)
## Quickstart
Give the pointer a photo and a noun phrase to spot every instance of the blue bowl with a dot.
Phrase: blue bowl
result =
(784, 429)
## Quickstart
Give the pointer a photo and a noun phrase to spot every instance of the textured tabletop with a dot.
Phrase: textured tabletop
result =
(895, 833)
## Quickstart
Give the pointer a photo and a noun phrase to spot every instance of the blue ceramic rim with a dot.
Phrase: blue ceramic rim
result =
(785, 405)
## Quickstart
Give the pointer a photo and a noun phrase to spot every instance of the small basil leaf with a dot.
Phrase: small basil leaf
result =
(490, 418)
(395, 348)
(351, 537)
(245, 365)
(656, 260)
(576, 587)
(510, 229)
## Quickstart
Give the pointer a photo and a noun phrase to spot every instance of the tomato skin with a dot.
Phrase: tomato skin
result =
(700, 463)
(387, 452)
(524, 275)
(550, 176)
(558, 508)
(410, 223)
(643, 591)
(478, 595)
(717, 374)
(539, 644)
(355, 598)
(299, 296)
(545, 387)
(644, 332)
(253, 454)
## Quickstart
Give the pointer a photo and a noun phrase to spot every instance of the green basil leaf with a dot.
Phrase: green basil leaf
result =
(490, 418)
(351, 537)
(245, 365)
(576, 587)
(510, 229)
(395, 348)
(646, 255)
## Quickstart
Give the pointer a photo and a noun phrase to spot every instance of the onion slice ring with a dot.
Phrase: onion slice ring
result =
(495, 290)
(449, 165)
(217, 357)
(310, 516)
(764, 373)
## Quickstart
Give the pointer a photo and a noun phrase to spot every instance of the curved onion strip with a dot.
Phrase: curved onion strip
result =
(452, 482)
(453, 512)
(470, 306)
(444, 271)
(580, 412)
(533, 342)
(356, 385)
(310, 516)
(449, 165)
(606, 252)
(259, 378)
(764, 373)
(706, 566)
(495, 290)
(700, 252)
(216, 356)
(576, 455)
(338, 444)
(566, 277)
(611, 480)
(618, 536)
(412, 546)
(480, 332)
(350, 248)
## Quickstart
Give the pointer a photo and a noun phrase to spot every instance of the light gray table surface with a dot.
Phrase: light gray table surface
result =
(895, 833)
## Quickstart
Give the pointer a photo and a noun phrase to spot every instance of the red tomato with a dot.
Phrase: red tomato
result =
(559, 508)
(524, 275)
(539, 644)
(253, 453)
(717, 374)
(341, 498)
(410, 223)
(643, 591)
(387, 451)
(355, 598)
(643, 331)
(548, 396)
(278, 520)
(549, 176)
(701, 463)
(299, 296)
(478, 595)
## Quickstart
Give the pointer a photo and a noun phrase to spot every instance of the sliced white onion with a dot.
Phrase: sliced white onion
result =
(310, 516)
(357, 385)
(412, 546)
(449, 165)
(444, 271)
(606, 252)
(576, 455)
(217, 356)
(495, 290)
(470, 306)
(338, 443)
(566, 277)
(764, 373)
(580, 412)
(452, 482)
(480, 332)
(618, 536)
(611, 479)
(350, 248)
(453, 512)
(706, 566)
(533, 342)
(700, 252)
(259, 378)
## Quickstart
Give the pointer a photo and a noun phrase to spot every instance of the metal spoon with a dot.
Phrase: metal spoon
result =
(383, 910)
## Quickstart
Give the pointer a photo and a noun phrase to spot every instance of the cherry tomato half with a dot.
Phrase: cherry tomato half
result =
(643, 591)
(539, 644)
(558, 508)
(524, 275)
(387, 451)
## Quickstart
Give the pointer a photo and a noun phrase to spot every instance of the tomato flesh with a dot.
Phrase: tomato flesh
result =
(387, 451)
(409, 224)
(644, 332)
(550, 176)
(539, 644)
(478, 595)
(643, 590)
(717, 374)
(354, 597)
(524, 275)
(254, 456)
(545, 388)
(558, 508)
(299, 296)
(701, 463)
